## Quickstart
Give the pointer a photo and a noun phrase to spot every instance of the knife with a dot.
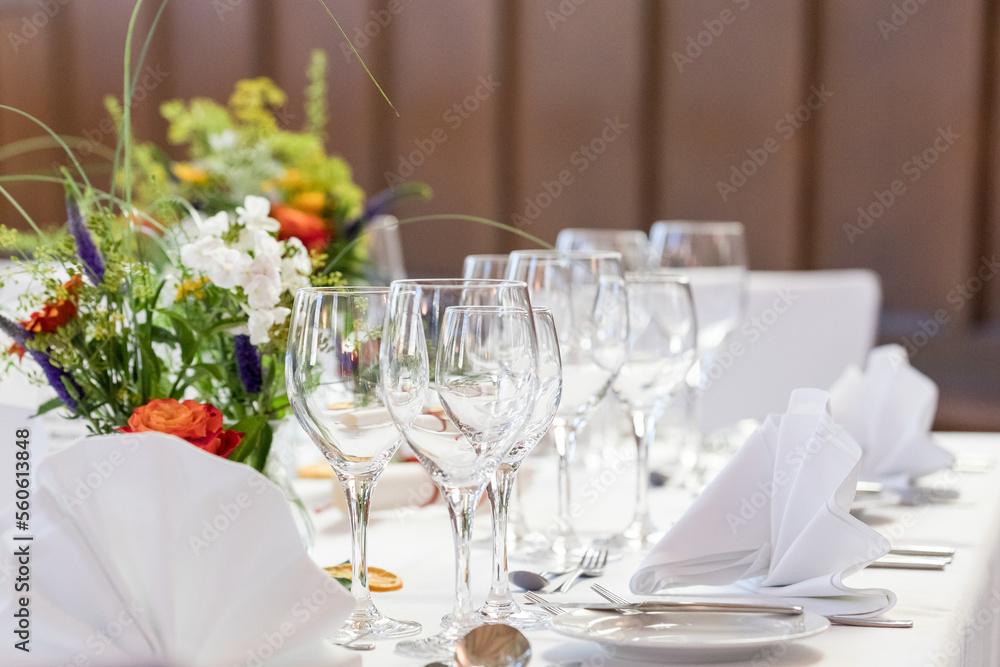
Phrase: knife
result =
(911, 562)
(922, 550)
(660, 606)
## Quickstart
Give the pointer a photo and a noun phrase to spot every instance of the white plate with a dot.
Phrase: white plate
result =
(686, 636)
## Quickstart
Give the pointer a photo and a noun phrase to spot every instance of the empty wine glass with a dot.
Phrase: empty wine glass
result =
(332, 378)
(631, 243)
(586, 292)
(500, 606)
(459, 372)
(662, 348)
(713, 257)
(485, 266)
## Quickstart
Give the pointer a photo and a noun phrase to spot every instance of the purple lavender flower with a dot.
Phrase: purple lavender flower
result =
(85, 248)
(15, 330)
(248, 364)
(52, 374)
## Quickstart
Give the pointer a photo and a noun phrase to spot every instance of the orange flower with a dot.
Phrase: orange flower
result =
(189, 173)
(18, 350)
(56, 312)
(311, 202)
(198, 423)
(311, 230)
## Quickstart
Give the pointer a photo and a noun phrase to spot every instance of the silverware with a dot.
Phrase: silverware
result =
(683, 605)
(493, 645)
(533, 597)
(592, 565)
(870, 622)
(922, 550)
(900, 562)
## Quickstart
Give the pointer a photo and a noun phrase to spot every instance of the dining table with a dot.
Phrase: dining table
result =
(955, 611)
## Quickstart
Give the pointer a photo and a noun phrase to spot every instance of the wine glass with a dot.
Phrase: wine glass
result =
(713, 257)
(485, 266)
(586, 292)
(459, 370)
(332, 378)
(631, 243)
(663, 347)
(500, 606)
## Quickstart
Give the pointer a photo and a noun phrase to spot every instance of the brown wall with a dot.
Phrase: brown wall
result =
(680, 117)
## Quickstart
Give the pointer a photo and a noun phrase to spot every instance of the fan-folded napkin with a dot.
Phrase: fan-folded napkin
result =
(150, 551)
(777, 520)
(889, 409)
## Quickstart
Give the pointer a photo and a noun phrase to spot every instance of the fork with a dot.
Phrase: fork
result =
(836, 620)
(543, 603)
(592, 565)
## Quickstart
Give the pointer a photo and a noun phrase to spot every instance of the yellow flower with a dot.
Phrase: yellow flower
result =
(309, 202)
(292, 179)
(191, 287)
(189, 173)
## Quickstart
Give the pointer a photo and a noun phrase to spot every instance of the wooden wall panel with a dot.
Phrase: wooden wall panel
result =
(897, 92)
(731, 71)
(991, 179)
(27, 66)
(580, 79)
(444, 54)
(352, 99)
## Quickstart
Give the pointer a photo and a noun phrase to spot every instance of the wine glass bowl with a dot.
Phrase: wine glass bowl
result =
(631, 243)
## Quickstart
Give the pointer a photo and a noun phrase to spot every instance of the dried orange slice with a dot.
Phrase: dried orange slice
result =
(379, 580)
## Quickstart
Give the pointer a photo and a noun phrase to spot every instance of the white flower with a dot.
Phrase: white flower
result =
(217, 225)
(198, 255)
(222, 141)
(263, 291)
(297, 256)
(260, 322)
(256, 214)
(227, 267)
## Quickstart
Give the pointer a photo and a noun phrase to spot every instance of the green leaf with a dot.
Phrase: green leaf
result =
(185, 334)
(161, 335)
(48, 406)
(251, 428)
(258, 458)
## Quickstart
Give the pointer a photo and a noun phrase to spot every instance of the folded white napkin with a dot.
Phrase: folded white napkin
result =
(889, 410)
(149, 551)
(777, 519)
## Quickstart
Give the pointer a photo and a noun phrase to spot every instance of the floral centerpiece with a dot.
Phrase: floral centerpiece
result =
(166, 305)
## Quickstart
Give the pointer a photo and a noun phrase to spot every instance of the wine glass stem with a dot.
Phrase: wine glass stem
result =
(358, 489)
(565, 440)
(644, 427)
(499, 494)
(462, 509)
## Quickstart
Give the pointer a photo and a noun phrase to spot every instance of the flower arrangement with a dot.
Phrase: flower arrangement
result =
(168, 310)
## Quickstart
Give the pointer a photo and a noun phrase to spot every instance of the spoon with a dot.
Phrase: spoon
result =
(493, 645)
(528, 581)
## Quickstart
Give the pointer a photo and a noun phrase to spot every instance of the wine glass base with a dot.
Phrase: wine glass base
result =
(511, 615)
(436, 647)
(641, 535)
(373, 627)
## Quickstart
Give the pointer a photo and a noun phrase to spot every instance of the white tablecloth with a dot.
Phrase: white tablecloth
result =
(956, 612)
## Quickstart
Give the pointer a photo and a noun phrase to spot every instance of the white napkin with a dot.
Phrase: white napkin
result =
(149, 551)
(777, 519)
(889, 410)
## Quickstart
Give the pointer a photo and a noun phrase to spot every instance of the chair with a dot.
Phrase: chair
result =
(802, 329)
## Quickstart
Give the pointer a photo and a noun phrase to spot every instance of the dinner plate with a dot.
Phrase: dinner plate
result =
(686, 636)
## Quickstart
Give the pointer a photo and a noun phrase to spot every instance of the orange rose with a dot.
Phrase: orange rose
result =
(18, 350)
(198, 423)
(309, 229)
(55, 313)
